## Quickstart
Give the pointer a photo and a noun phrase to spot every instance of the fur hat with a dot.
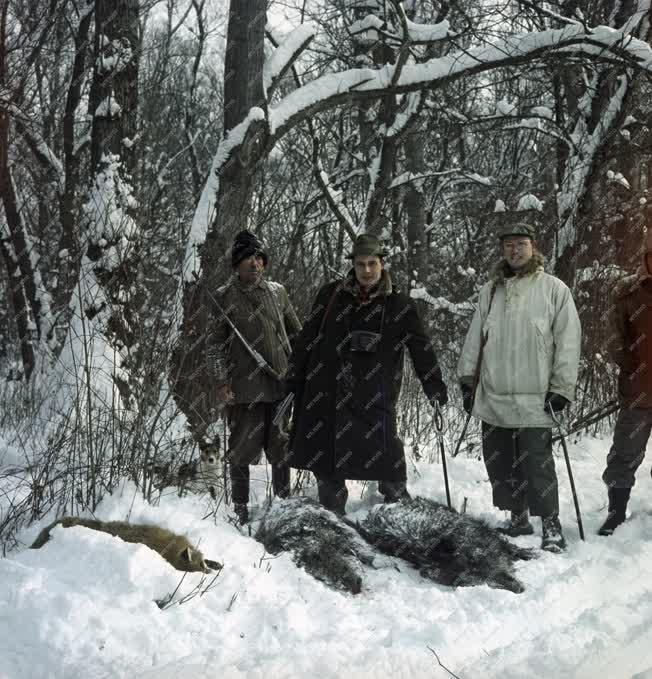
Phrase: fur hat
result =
(519, 229)
(367, 245)
(246, 244)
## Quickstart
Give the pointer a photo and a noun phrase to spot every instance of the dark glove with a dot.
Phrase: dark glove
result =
(440, 397)
(289, 386)
(467, 398)
(555, 401)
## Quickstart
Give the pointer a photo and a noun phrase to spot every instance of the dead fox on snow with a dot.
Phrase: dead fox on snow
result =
(175, 549)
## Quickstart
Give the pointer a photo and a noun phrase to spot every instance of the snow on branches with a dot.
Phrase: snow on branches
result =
(285, 55)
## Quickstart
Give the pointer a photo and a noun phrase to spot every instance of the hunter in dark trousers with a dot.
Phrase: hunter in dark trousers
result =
(346, 371)
(266, 323)
(631, 348)
(528, 330)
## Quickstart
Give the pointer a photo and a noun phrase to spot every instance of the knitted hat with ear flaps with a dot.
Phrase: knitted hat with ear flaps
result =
(246, 244)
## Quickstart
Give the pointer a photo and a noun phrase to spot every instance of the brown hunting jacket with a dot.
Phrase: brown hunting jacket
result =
(630, 344)
(263, 314)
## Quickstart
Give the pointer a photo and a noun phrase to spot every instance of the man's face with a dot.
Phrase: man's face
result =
(517, 250)
(368, 270)
(251, 268)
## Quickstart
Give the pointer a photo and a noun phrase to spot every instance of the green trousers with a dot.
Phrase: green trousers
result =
(521, 469)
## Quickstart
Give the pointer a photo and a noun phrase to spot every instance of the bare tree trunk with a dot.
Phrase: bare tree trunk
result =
(243, 90)
(189, 113)
(113, 234)
(69, 250)
(595, 123)
(386, 148)
(415, 205)
(14, 248)
(113, 97)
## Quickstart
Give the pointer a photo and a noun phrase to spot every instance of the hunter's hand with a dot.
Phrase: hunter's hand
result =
(224, 394)
(467, 398)
(289, 386)
(555, 401)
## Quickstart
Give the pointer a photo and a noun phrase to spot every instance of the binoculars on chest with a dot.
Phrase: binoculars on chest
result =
(363, 341)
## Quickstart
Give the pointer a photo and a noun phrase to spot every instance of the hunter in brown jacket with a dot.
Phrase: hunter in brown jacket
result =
(630, 346)
(253, 326)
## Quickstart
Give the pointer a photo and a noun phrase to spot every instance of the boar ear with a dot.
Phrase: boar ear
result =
(186, 555)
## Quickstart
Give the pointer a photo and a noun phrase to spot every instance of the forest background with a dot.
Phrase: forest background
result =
(138, 136)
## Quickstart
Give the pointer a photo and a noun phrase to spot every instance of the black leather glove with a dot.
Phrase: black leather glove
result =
(440, 397)
(289, 386)
(555, 401)
(467, 398)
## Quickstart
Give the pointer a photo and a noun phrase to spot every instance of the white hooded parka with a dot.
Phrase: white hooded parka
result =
(533, 346)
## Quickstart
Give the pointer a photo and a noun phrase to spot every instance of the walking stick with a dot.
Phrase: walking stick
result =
(224, 471)
(439, 426)
(462, 435)
(562, 438)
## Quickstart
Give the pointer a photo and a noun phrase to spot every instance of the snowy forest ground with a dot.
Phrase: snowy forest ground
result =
(84, 605)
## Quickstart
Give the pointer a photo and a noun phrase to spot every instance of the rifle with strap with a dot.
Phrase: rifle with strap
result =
(590, 418)
(259, 360)
(283, 336)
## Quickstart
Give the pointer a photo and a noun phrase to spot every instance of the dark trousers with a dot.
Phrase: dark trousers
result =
(240, 482)
(521, 469)
(631, 435)
(252, 430)
(333, 493)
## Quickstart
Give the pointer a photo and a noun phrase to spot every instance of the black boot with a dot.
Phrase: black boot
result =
(281, 480)
(618, 499)
(333, 494)
(240, 491)
(552, 538)
(241, 512)
(518, 524)
(394, 491)
(519, 519)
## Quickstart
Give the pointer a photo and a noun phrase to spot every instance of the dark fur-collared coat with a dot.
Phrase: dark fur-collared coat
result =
(344, 423)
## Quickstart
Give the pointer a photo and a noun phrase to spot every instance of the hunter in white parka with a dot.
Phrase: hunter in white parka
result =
(533, 347)
(526, 333)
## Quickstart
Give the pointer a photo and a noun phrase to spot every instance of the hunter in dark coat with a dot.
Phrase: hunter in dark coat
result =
(346, 370)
